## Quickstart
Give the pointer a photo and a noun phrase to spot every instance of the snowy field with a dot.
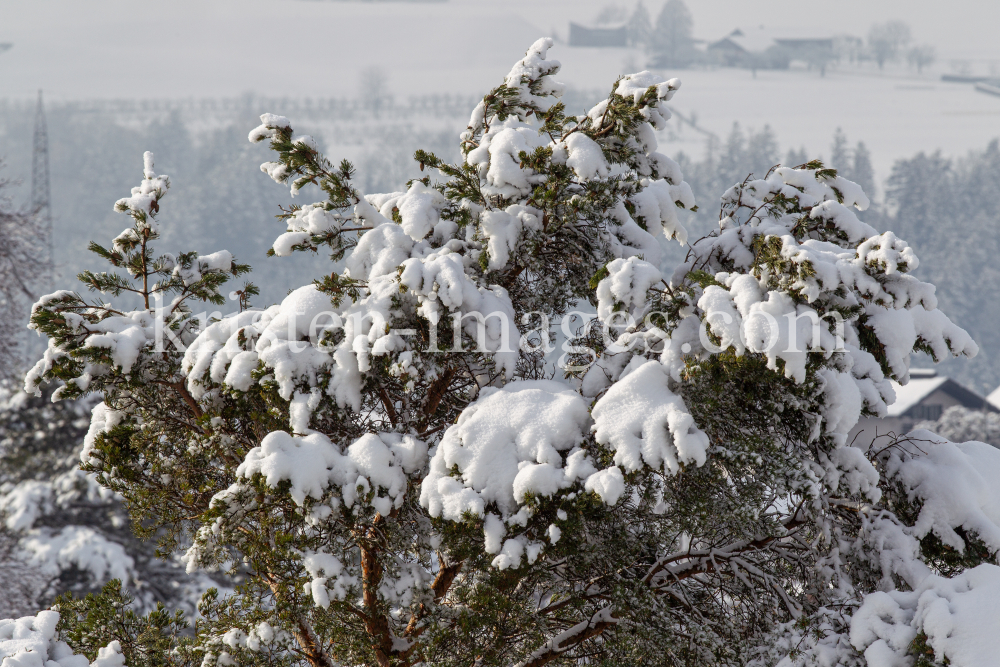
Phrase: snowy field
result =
(226, 49)
(895, 116)
(212, 48)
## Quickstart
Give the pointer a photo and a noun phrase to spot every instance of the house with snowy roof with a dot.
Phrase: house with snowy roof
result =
(923, 398)
(738, 47)
(993, 398)
(764, 48)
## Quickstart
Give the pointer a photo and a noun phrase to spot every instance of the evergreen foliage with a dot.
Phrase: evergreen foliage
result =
(390, 465)
(22, 264)
(887, 40)
(62, 532)
(672, 35)
(947, 209)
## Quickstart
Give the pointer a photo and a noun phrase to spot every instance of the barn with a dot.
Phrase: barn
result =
(601, 37)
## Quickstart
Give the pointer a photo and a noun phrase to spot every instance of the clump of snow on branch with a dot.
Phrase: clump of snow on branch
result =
(957, 618)
(539, 422)
(522, 439)
(329, 579)
(31, 642)
(626, 288)
(956, 484)
(372, 469)
(646, 424)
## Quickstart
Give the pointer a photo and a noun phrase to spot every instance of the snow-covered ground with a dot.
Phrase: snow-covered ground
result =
(896, 116)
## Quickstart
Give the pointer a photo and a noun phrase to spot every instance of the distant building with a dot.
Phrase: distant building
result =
(993, 398)
(760, 48)
(738, 48)
(990, 87)
(924, 398)
(601, 37)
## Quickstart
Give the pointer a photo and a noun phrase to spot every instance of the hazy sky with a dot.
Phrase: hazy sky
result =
(123, 48)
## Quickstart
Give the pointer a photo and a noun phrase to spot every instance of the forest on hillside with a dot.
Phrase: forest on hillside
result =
(945, 207)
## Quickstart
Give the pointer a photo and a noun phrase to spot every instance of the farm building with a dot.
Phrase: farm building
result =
(760, 48)
(924, 398)
(602, 37)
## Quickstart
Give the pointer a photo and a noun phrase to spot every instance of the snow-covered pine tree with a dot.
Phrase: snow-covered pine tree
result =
(640, 27)
(66, 533)
(672, 34)
(960, 424)
(840, 152)
(855, 163)
(403, 484)
(862, 170)
(21, 266)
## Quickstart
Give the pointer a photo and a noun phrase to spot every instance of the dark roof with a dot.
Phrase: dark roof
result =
(726, 44)
(760, 40)
(965, 397)
(805, 43)
(582, 36)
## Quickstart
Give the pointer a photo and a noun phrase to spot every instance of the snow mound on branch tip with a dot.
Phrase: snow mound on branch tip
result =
(31, 642)
(647, 424)
(512, 441)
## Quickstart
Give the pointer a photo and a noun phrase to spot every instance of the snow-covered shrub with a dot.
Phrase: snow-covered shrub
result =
(960, 424)
(22, 268)
(947, 212)
(403, 479)
(32, 641)
(61, 529)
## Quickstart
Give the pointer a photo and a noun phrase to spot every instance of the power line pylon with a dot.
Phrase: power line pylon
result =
(41, 204)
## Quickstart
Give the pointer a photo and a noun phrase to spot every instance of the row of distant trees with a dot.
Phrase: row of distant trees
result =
(889, 41)
(670, 37)
(22, 253)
